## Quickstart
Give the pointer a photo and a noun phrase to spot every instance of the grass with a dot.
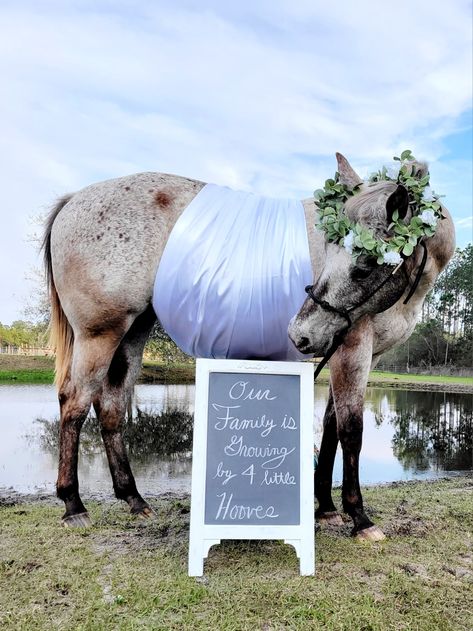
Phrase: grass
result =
(380, 376)
(27, 376)
(128, 575)
(24, 369)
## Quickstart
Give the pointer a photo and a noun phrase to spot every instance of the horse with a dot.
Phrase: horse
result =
(102, 248)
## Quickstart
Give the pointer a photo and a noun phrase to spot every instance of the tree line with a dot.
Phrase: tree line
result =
(443, 339)
(23, 333)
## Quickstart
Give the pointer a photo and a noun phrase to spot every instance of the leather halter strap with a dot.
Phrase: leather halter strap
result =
(420, 271)
(345, 312)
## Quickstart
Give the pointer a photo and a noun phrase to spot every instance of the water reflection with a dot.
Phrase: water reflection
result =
(406, 435)
(164, 433)
(433, 429)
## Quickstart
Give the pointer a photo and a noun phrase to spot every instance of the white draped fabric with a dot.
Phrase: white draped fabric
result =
(233, 274)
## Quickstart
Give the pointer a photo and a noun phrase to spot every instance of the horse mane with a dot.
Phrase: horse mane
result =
(368, 206)
(61, 336)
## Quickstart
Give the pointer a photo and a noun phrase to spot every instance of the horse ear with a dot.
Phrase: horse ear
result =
(399, 200)
(348, 176)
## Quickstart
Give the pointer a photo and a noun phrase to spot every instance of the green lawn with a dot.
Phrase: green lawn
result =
(411, 378)
(27, 376)
(128, 575)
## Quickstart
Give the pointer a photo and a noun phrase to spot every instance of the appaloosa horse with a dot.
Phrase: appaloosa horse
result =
(102, 248)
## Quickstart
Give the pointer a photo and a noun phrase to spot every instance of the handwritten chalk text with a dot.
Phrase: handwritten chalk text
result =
(241, 424)
(275, 455)
(240, 390)
(240, 512)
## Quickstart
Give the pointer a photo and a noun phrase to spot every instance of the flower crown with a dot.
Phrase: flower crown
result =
(358, 239)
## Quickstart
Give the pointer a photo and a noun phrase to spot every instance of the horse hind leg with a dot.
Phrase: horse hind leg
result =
(91, 359)
(111, 404)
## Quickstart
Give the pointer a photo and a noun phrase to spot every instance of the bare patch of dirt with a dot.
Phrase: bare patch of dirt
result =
(24, 362)
(407, 526)
(168, 530)
(415, 569)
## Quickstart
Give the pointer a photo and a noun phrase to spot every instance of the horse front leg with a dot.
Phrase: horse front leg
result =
(326, 511)
(349, 370)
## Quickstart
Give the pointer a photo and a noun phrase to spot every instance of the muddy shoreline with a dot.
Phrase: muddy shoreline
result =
(9, 497)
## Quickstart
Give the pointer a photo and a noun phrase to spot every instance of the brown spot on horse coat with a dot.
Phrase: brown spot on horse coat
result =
(162, 199)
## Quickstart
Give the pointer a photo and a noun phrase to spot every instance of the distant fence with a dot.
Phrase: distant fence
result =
(25, 350)
(429, 370)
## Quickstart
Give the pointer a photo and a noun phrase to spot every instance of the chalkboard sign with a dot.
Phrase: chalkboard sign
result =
(252, 475)
(253, 449)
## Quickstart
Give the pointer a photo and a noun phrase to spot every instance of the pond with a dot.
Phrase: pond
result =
(407, 435)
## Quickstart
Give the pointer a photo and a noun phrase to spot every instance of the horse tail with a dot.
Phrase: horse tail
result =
(61, 335)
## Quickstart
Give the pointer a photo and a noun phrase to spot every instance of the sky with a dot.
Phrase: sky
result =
(256, 95)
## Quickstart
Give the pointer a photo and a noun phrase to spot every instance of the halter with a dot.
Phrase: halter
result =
(344, 312)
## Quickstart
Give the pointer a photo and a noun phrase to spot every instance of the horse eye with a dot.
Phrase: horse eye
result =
(359, 273)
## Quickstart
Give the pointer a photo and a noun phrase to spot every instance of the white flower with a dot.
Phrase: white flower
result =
(348, 242)
(428, 194)
(392, 258)
(428, 217)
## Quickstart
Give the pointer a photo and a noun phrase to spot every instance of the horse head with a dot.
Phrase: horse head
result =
(345, 289)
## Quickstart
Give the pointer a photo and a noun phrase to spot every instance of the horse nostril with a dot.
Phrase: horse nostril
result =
(304, 341)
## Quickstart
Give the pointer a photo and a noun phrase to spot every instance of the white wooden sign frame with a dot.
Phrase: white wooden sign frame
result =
(204, 536)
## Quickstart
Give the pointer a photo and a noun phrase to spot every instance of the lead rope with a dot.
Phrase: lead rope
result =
(337, 341)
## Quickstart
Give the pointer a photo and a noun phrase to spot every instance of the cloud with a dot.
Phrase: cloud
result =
(254, 95)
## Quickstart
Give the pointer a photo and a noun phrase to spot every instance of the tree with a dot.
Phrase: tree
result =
(444, 336)
(22, 333)
(160, 346)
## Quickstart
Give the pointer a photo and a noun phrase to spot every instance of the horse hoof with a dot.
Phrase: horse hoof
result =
(332, 518)
(146, 513)
(373, 533)
(81, 520)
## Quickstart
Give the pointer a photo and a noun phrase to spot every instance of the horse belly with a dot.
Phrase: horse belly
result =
(233, 274)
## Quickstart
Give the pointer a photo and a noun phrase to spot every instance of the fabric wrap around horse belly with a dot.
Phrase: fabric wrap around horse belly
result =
(232, 275)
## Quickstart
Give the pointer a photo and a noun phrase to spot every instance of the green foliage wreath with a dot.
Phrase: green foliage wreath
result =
(358, 239)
